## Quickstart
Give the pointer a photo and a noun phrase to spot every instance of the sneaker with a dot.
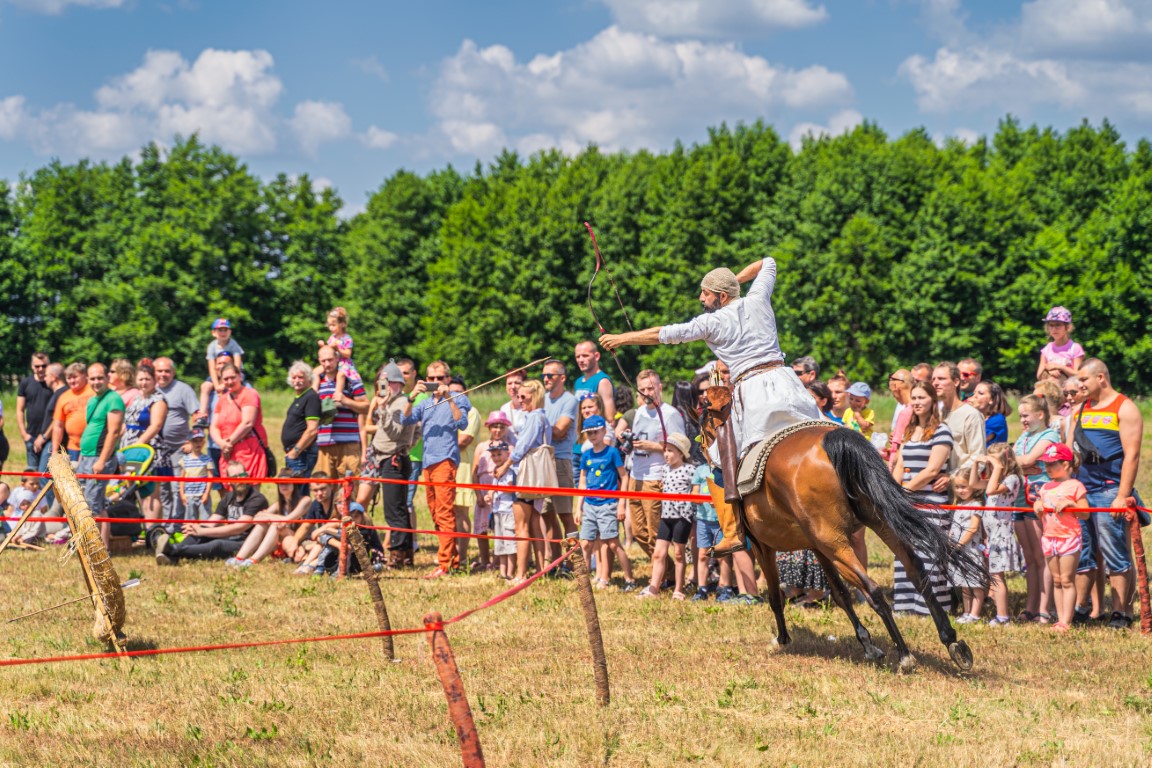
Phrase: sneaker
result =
(646, 593)
(1080, 617)
(724, 594)
(245, 563)
(999, 621)
(1119, 621)
(629, 586)
(231, 562)
(304, 570)
(967, 618)
(162, 557)
(701, 594)
(746, 599)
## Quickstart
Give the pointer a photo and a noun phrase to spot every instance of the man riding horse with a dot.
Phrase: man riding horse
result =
(767, 395)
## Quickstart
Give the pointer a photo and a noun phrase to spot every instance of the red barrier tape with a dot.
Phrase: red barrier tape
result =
(533, 490)
(290, 641)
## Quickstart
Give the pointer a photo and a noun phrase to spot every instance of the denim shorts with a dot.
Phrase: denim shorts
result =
(1111, 531)
(708, 533)
(599, 522)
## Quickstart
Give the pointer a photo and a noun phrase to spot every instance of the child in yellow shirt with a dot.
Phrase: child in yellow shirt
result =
(859, 416)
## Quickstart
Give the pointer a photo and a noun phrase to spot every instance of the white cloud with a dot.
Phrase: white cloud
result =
(378, 138)
(56, 7)
(228, 97)
(318, 122)
(1086, 56)
(1084, 26)
(619, 90)
(370, 65)
(840, 123)
(731, 19)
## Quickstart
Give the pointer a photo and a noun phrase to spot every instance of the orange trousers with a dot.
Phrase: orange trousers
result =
(441, 501)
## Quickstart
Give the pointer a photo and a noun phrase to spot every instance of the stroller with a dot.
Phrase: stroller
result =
(123, 497)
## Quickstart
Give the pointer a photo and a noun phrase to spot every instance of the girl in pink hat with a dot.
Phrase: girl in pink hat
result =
(1061, 357)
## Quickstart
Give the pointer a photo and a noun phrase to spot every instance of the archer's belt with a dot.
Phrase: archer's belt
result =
(756, 370)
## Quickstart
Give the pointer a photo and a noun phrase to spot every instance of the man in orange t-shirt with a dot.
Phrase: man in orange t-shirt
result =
(70, 416)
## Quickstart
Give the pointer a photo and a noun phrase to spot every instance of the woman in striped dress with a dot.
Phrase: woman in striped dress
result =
(923, 459)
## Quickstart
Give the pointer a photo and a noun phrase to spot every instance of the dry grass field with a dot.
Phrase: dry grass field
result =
(691, 683)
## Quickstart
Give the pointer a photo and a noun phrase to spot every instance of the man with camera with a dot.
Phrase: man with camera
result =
(649, 432)
(440, 418)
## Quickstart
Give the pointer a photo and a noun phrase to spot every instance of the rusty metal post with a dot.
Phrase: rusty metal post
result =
(1141, 569)
(458, 709)
(591, 621)
(373, 580)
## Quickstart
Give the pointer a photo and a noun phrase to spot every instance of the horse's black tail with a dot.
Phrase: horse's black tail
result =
(870, 488)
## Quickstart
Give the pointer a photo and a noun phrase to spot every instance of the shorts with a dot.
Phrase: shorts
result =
(336, 459)
(1112, 532)
(1060, 547)
(536, 504)
(1019, 517)
(599, 522)
(708, 533)
(503, 524)
(565, 478)
(674, 529)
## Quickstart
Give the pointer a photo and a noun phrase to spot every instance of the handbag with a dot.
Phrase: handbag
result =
(537, 470)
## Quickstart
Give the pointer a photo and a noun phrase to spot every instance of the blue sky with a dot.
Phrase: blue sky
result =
(350, 91)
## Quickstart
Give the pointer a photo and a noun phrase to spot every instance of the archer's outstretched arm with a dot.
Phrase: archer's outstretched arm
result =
(647, 337)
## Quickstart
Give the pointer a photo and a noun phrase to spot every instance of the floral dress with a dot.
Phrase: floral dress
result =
(137, 420)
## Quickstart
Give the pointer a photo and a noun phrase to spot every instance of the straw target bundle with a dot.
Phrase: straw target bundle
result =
(103, 582)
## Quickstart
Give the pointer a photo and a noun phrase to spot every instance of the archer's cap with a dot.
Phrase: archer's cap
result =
(595, 421)
(221, 323)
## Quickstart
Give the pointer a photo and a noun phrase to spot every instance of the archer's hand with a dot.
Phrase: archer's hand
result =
(612, 341)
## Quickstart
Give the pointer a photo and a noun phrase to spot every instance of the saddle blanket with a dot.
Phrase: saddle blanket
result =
(751, 474)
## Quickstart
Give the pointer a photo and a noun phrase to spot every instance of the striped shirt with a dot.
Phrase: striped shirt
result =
(194, 465)
(905, 596)
(345, 428)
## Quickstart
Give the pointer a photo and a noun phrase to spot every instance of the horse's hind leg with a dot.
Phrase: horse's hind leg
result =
(848, 566)
(843, 598)
(767, 558)
(959, 651)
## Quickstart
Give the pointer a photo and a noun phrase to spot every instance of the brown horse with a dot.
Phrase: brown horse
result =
(822, 484)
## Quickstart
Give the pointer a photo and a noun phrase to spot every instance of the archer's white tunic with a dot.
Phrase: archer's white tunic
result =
(743, 335)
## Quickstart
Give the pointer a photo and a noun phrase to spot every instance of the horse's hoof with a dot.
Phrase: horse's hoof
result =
(872, 653)
(906, 664)
(961, 655)
(782, 640)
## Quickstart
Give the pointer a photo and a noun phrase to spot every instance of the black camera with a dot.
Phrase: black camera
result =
(625, 440)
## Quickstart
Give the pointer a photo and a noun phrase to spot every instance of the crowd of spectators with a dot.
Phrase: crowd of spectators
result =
(947, 443)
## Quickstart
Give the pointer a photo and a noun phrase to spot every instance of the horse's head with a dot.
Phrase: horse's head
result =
(715, 405)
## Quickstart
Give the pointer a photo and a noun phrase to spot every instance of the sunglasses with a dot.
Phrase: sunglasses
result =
(39, 367)
(583, 395)
(550, 375)
(524, 398)
(967, 375)
(437, 378)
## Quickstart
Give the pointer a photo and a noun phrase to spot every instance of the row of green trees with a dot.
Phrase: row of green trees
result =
(890, 251)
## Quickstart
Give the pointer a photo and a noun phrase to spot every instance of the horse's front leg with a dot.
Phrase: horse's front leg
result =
(767, 557)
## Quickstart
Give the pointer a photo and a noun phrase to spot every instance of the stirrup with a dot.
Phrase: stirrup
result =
(725, 548)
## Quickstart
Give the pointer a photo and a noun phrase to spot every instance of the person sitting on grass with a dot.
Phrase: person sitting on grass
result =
(20, 500)
(222, 534)
(272, 526)
(325, 556)
(298, 544)
(602, 469)
(675, 517)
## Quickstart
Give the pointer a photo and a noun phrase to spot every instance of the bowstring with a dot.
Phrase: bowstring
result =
(602, 264)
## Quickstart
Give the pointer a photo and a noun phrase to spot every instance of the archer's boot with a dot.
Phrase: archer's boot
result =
(727, 513)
